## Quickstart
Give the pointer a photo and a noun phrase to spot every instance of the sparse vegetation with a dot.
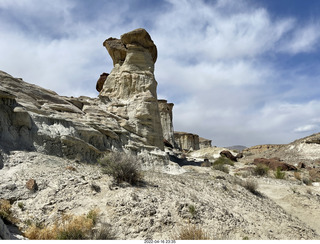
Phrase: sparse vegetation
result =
(261, 170)
(222, 160)
(191, 232)
(251, 185)
(279, 174)
(21, 205)
(192, 210)
(104, 233)
(309, 191)
(221, 167)
(93, 215)
(69, 228)
(122, 167)
(294, 189)
(95, 187)
(5, 211)
(307, 181)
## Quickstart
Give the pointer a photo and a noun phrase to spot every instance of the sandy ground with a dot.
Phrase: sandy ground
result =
(300, 201)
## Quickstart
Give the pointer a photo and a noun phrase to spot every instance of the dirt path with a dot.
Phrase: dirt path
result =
(300, 201)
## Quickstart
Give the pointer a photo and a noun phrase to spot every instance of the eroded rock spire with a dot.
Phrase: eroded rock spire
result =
(131, 85)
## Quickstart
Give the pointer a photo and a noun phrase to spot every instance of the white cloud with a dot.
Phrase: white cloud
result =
(212, 60)
(306, 128)
(304, 39)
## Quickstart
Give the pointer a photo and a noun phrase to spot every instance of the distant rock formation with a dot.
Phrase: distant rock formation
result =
(131, 85)
(186, 141)
(204, 143)
(165, 109)
(262, 148)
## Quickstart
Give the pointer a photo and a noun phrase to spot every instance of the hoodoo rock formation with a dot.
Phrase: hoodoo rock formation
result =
(49, 146)
(131, 85)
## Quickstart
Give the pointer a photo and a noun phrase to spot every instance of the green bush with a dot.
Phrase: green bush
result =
(261, 170)
(307, 181)
(223, 160)
(279, 174)
(122, 167)
(192, 210)
(221, 167)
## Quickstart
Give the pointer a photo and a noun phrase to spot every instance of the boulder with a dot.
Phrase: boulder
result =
(101, 81)
(142, 38)
(274, 163)
(32, 185)
(228, 155)
(4, 232)
(116, 50)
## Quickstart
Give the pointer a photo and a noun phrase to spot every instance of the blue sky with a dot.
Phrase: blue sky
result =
(238, 71)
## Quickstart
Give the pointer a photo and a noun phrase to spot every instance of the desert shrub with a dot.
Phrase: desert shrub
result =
(191, 232)
(93, 215)
(122, 167)
(69, 228)
(5, 211)
(261, 170)
(21, 205)
(221, 167)
(279, 174)
(192, 210)
(307, 181)
(95, 187)
(251, 185)
(105, 232)
(223, 160)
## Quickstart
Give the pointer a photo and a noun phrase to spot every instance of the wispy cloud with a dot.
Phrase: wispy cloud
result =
(229, 66)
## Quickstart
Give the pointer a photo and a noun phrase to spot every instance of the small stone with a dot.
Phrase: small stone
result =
(32, 185)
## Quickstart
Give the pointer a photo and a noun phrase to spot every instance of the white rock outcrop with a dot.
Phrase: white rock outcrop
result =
(186, 141)
(131, 87)
(166, 120)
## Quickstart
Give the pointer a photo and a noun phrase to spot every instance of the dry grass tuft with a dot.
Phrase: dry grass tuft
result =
(191, 232)
(5, 211)
(69, 228)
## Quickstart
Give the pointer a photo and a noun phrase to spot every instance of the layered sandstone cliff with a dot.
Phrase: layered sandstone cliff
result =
(186, 141)
(166, 120)
(204, 143)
